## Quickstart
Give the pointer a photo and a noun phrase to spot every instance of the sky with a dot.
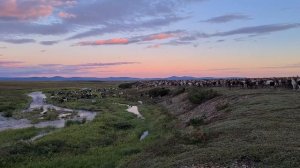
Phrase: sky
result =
(143, 38)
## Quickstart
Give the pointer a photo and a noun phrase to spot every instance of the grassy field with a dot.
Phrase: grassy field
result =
(252, 128)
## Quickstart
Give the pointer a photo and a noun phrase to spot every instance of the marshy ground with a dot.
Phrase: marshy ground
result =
(188, 127)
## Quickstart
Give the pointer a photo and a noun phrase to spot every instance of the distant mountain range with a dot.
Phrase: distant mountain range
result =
(59, 78)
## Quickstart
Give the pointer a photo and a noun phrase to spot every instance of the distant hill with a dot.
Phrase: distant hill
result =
(59, 78)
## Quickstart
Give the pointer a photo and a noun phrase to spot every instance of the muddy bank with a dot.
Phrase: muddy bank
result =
(210, 110)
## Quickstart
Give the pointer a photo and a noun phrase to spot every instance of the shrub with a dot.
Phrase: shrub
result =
(156, 92)
(178, 91)
(126, 85)
(198, 96)
(196, 122)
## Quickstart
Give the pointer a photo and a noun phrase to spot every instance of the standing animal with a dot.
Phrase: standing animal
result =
(270, 83)
(294, 83)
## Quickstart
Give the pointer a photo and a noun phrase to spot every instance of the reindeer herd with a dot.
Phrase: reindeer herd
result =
(250, 83)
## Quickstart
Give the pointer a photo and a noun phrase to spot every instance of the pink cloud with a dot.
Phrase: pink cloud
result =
(11, 64)
(16, 68)
(29, 9)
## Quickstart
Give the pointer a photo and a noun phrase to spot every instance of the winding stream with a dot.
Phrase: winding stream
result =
(38, 102)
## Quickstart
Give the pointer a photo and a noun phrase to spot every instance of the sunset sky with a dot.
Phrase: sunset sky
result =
(149, 38)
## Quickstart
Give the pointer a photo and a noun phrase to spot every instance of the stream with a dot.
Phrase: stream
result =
(38, 102)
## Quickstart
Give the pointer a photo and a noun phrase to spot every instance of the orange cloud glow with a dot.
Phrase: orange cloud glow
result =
(136, 39)
(105, 42)
(160, 36)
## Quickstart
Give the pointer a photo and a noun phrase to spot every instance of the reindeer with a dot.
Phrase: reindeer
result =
(298, 82)
(294, 83)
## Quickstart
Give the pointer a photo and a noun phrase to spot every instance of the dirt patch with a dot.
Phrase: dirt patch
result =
(178, 105)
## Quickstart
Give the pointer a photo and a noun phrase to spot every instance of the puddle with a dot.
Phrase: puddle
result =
(38, 102)
(135, 110)
(144, 135)
(132, 109)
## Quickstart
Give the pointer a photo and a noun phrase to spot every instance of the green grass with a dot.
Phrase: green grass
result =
(13, 101)
(10, 137)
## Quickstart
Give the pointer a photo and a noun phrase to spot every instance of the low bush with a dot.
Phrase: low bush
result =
(156, 92)
(198, 96)
(196, 122)
(178, 91)
(126, 85)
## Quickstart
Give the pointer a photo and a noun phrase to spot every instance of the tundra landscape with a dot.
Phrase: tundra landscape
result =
(149, 124)
(149, 84)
